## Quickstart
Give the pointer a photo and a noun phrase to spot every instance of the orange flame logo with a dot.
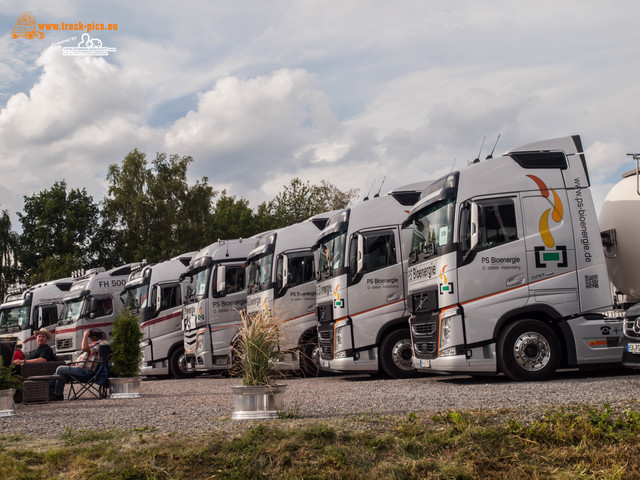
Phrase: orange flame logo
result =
(556, 212)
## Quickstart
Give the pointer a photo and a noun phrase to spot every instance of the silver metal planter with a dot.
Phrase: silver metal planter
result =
(125, 387)
(260, 402)
(7, 405)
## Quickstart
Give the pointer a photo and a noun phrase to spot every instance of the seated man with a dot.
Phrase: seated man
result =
(85, 365)
(43, 353)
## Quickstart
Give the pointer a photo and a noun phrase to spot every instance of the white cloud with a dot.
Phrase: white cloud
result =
(247, 130)
(79, 117)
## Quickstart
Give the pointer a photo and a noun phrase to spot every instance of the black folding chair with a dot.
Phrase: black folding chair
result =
(97, 384)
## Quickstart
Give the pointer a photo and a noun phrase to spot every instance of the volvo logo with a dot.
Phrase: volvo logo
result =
(636, 326)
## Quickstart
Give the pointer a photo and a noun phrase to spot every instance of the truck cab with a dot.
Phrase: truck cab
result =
(506, 269)
(216, 293)
(37, 307)
(361, 287)
(154, 293)
(282, 281)
(92, 302)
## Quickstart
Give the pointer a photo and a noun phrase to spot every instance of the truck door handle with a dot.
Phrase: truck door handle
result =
(394, 296)
(311, 308)
(515, 281)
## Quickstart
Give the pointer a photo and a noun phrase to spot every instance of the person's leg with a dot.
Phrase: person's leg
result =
(62, 371)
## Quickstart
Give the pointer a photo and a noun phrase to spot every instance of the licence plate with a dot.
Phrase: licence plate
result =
(324, 363)
(633, 348)
(425, 363)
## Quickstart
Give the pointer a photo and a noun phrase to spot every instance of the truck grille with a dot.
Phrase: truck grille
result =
(325, 336)
(325, 339)
(425, 349)
(64, 344)
(423, 329)
(190, 340)
(630, 327)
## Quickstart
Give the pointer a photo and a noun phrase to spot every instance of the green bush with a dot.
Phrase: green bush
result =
(8, 380)
(126, 353)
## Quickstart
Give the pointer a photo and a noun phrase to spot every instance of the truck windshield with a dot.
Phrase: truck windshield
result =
(432, 228)
(331, 253)
(197, 287)
(136, 297)
(15, 317)
(260, 271)
(71, 311)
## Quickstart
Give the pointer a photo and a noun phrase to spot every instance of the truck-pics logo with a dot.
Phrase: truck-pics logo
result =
(26, 27)
(548, 253)
(445, 286)
(337, 302)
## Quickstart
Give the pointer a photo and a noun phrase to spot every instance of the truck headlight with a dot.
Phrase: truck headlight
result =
(448, 334)
(445, 331)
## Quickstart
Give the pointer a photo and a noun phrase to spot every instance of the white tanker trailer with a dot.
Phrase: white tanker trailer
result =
(620, 229)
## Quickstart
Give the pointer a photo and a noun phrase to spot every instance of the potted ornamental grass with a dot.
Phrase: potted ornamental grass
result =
(256, 353)
(9, 383)
(126, 355)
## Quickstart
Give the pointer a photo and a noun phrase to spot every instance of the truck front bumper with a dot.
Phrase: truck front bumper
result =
(452, 364)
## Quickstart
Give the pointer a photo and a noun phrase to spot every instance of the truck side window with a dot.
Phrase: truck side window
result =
(234, 278)
(497, 222)
(49, 316)
(379, 250)
(170, 297)
(104, 307)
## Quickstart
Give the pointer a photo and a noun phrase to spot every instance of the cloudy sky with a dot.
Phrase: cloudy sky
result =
(349, 91)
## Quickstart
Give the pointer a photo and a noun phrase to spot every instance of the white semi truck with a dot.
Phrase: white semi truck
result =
(620, 228)
(36, 307)
(507, 270)
(216, 293)
(93, 301)
(154, 294)
(361, 289)
(282, 281)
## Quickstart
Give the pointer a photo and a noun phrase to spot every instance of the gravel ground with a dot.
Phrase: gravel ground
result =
(198, 405)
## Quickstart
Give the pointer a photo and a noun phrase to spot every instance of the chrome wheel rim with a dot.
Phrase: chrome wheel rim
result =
(401, 354)
(532, 351)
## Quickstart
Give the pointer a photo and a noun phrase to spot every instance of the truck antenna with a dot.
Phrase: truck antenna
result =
(453, 164)
(367, 196)
(494, 147)
(477, 160)
(378, 194)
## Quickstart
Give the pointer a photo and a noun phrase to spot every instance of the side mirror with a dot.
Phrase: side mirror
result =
(158, 299)
(93, 307)
(475, 225)
(285, 271)
(360, 254)
(221, 284)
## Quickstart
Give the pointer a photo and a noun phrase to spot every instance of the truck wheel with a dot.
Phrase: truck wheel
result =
(528, 350)
(395, 355)
(310, 357)
(178, 366)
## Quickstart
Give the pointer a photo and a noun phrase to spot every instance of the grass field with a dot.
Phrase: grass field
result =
(566, 443)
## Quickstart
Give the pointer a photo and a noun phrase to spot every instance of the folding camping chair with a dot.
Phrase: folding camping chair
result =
(97, 384)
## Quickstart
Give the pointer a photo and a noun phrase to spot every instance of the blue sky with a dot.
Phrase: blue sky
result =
(349, 92)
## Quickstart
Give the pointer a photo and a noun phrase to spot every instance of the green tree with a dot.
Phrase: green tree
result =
(299, 201)
(151, 211)
(8, 244)
(232, 218)
(58, 227)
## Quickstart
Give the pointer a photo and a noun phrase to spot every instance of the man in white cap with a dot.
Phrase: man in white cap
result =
(43, 353)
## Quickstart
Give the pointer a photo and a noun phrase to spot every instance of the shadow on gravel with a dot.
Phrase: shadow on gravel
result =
(561, 375)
